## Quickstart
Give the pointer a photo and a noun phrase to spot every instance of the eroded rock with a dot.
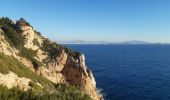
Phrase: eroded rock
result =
(77, 74)
(12, 80)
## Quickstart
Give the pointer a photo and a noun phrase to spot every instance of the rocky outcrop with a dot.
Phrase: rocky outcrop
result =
(71, 71)
(29, 35)
(54, 67)
(5, 47)
(7, 50)
(61, 68)
(59, 62)
(12, 80)
(52, 75)
(77, 73)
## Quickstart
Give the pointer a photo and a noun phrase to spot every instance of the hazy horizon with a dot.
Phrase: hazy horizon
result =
(94, 20)
(103, 42)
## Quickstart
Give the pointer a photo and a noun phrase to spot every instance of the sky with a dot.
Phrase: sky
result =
(94, 20)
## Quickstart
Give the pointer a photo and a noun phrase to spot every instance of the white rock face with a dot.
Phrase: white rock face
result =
(1, 30)
(11, 80)
(29, 35)
(27, 63)
(52, 75)
(5, 47)
(53, 69)
(59, 62)
(82, 60)
(41, 55)
(7, 50)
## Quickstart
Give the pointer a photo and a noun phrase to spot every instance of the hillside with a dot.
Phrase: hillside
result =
(34, 68)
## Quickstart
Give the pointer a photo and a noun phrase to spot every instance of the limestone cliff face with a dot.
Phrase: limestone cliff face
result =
(59, 67)
(77, 73)
(71, 71)
(29, 35)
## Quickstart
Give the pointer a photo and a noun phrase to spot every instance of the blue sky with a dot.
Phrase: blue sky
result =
(93, 20)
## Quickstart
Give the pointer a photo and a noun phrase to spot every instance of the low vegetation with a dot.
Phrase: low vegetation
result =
(8, 63)
(64, 93)
(35, 42)
(58, 91)
(53, 49)
(14, 38)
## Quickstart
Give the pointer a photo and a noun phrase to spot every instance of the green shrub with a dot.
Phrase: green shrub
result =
(35, 42)
(53, 49)
(72, 53)
(8, 63)
(22, 21)
(30, 54)
(5, 20)
(36, 89)
(14, 38)
(38, 33)
(68, 93)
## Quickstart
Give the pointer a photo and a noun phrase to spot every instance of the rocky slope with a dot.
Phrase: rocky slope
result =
(43, 57)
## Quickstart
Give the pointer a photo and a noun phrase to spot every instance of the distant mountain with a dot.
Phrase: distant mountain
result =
(104, 42)
(136, 42)
(84, 42)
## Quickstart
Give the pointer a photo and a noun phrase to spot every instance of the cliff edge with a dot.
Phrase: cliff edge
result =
(47, 60)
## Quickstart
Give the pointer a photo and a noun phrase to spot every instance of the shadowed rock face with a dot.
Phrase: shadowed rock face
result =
(63, 68)
(58, 63)
(71, 71)
(77, 73)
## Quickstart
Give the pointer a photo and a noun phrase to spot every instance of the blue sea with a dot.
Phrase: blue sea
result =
(130, 72)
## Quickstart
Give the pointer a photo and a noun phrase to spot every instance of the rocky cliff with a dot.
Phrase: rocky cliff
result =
(43, 57)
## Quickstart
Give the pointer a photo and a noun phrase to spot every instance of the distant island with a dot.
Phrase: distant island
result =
(136, 42)
(132, 42)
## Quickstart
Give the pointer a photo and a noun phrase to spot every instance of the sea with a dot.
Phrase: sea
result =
(129, 72)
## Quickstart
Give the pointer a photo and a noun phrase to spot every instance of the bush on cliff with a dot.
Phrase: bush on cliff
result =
(13, 37)
(67, 93)
(54, 49)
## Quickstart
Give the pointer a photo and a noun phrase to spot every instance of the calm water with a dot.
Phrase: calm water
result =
(130, 72)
